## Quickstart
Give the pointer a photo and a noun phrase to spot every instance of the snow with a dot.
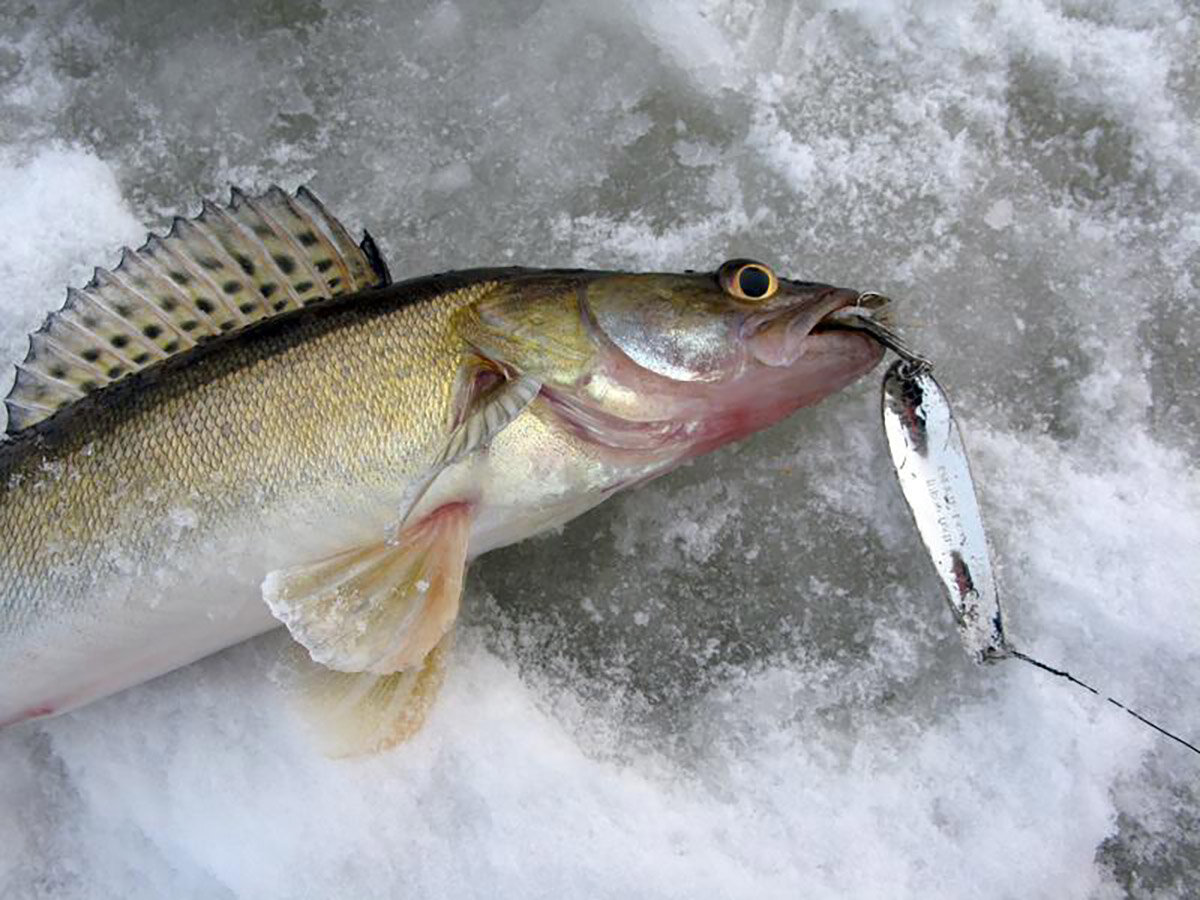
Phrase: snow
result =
(739, 681)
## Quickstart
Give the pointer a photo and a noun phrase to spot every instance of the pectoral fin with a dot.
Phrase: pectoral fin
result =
(380, 608)
(488, 413)
(484, 414)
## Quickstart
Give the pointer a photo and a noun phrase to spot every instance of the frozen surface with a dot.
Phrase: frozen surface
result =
(739, 681)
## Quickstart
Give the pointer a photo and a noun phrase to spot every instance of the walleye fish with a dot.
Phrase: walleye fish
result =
(246, 424)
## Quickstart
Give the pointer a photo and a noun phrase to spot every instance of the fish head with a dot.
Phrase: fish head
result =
(726, 352)
(671, 364)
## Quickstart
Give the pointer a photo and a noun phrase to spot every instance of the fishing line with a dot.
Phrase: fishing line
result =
(1063, 673)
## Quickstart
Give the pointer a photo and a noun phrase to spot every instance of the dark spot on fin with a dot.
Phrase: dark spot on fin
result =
(371, 250)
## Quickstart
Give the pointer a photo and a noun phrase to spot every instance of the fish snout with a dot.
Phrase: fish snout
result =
(778, 339)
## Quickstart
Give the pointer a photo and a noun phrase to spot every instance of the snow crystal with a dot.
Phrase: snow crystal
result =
(999, 214)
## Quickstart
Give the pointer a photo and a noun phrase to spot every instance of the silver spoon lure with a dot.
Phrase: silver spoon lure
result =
(931, 465)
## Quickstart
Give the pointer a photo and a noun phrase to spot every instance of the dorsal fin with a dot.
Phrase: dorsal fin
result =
(214, 274)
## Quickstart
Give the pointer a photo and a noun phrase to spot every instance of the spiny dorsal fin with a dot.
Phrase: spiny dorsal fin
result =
(214, 274)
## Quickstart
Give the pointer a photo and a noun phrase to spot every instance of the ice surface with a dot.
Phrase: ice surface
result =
(739, 681)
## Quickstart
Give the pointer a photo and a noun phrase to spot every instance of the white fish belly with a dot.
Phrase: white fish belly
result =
(101, 648)
(167, 610)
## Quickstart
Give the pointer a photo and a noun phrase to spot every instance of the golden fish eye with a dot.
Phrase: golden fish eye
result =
(748, 281)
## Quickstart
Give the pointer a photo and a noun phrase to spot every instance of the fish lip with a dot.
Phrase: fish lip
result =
(872, 319)
(803, 318)
(814, 318)
(777, 338)
(877, 306)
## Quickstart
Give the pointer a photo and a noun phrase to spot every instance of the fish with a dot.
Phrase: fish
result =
(247, 424)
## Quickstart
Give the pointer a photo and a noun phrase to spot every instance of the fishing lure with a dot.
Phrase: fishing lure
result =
(931, 465)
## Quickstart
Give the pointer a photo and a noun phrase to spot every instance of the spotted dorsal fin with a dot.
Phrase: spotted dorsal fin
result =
(214, 274)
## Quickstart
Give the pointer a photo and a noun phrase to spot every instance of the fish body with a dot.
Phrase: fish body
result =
(334, 464)
(138, 536)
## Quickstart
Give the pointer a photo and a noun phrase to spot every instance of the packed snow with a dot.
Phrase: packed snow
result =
(741, 680)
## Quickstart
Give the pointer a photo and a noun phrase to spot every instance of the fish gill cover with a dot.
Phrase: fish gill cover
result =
(742, 680)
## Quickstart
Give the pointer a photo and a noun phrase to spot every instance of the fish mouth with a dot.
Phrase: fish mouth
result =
(870, 315)
(782, 338)
(867, 305)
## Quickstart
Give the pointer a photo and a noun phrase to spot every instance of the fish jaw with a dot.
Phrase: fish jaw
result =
(570, 452)
(829, 361)
(791, 362)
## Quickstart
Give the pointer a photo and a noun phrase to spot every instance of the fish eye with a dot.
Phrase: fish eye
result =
(749, 281)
